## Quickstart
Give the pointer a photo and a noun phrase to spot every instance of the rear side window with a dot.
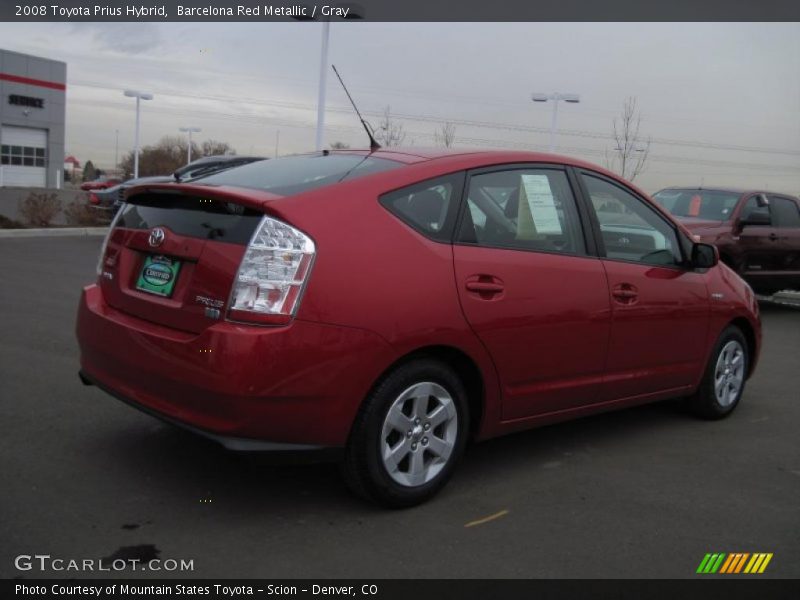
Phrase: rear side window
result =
(295, 174)
(785, 212)
(191, 216)
(429, 207)
(525, 209)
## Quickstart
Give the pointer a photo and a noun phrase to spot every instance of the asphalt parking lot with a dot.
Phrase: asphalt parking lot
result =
(645, 492)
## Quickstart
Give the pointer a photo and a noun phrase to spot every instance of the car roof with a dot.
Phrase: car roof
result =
(472, 155)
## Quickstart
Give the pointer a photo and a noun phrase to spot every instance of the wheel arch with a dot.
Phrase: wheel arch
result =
(750, 337)
(464, 366)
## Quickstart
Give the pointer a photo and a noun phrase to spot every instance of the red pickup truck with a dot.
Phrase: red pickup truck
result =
(757, 232)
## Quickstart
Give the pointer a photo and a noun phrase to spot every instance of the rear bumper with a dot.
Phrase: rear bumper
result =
(296, 387)
(229, 442)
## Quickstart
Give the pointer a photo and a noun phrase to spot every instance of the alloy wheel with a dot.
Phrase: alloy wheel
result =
(419, 434)
(729, 373)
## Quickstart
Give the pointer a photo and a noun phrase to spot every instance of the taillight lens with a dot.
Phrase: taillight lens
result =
(93, 199)
(274, 269)
(105, 241)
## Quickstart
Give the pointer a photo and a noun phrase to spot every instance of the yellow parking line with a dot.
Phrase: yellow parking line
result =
(496, 515)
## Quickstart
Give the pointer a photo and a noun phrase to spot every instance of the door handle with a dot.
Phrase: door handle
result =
(488, 287)
(484, 286)
(773, 237)
(625, 293)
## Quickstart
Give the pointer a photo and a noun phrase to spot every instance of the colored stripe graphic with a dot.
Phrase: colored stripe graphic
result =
(765, 563)
(703, 563)
(740, 563)
(727, 564)
(758, 563)
(711, 563)
(733, 563)
(717, 564)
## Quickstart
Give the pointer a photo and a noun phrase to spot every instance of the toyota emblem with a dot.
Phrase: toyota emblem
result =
(157, 237)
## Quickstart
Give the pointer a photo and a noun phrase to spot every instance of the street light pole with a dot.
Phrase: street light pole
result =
(323, 80)
(139, 97)
(555, 97)
(189, 130)
(354, 11)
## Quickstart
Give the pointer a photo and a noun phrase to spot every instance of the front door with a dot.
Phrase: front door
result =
(659, 307)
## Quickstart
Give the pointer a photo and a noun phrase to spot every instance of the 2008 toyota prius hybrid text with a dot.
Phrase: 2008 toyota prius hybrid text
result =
(396, 304)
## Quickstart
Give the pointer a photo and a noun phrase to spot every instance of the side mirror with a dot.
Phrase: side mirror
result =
(756, 217)
(704, 256)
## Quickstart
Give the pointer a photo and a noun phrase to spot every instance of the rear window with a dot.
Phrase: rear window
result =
(191, 216)
(699, 204)
(295, 174)
(429, 207)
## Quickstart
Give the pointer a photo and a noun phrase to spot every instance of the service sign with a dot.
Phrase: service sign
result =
(27, 101)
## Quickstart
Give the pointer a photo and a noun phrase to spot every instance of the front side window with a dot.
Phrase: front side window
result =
(525, 209)
(630, 229)
(756, 208)
(785, 211)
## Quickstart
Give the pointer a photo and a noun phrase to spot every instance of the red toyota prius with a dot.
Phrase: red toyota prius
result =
(396, 304)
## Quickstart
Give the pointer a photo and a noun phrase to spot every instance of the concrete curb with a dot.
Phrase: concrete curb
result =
(53, 232)
(784, 298)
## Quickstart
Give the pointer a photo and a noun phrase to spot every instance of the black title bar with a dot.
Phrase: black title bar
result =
(398, 10)
(730, 588)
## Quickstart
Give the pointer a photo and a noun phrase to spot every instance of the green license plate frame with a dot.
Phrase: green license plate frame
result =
(158, 275)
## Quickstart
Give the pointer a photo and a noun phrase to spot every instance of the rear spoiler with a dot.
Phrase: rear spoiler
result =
(255, 199)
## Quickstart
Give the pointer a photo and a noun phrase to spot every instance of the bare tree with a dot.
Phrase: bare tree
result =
(215, 148)
(339, 146)
(631, 150)
(168, 154)
(446, 135)
(389, 132)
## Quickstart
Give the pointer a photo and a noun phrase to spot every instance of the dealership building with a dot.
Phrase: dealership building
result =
(32, 114)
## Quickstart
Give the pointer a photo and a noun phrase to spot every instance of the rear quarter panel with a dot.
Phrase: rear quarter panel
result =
(374, 272)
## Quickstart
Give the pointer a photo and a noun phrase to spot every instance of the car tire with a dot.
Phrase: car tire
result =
(724, 378)
(408, 436)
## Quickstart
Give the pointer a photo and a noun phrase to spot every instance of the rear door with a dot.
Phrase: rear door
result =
(660, 309)
(530, 290)
(171, 258)
(786, 216)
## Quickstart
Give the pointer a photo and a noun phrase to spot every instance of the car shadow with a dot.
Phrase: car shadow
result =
(179, 463)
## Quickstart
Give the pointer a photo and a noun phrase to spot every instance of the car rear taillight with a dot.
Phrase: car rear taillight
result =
(93, 199)
(273, 272)
(103, 248)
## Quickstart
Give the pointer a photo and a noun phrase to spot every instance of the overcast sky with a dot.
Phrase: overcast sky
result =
(721, 102)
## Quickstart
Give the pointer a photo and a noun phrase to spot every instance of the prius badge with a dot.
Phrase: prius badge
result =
(157, 237)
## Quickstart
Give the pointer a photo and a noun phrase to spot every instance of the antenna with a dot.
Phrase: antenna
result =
(373, 145)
